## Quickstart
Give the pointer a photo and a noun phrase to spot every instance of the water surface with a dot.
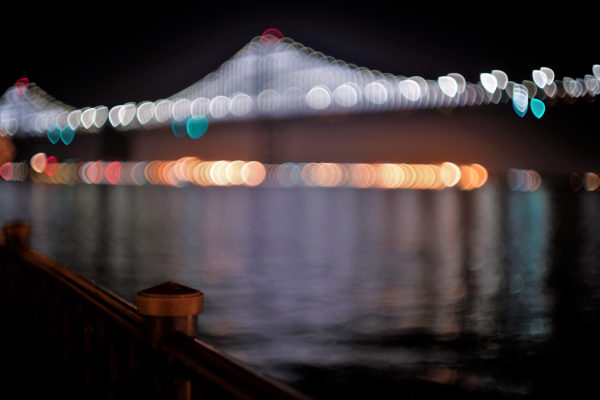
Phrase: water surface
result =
(347, 293)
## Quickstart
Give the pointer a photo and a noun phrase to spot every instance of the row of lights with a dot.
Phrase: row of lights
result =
(297, 80)
(588, 181)
(449, 91)
(187, 170)
(183, 111)
(382, 175)
(523, 180)
(191, 170)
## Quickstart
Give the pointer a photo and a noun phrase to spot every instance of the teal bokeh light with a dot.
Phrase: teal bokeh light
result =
(538, 108)
(197, 126)
(67, 134)
(179, 128)
(54, 133)
(521, 111)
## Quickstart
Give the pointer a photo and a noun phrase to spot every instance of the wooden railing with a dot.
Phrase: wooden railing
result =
(64, 337)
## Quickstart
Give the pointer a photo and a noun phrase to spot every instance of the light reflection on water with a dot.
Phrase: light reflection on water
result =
(400, 285)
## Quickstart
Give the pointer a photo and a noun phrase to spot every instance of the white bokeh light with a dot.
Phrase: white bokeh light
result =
(269, 100)
(241, 104)
(145, 112)
(376, 93)
(163, 110)
(100, 116)
(489, 82)
(127, 114)
(181, 109)
(410, 89)
(219, 106)
(448, 85)
(345, 95)
(87, 117)
(74, 119)
(113, 116)
(318, 98)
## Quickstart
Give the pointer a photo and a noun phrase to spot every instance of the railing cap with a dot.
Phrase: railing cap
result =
(170, 299)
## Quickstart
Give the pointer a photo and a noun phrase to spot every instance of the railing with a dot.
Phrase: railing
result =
(62, 337)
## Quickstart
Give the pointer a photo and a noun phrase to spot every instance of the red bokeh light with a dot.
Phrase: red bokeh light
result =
(271, 36)
(51, 166)
(6, 171)
(113, 172)
(22, 85)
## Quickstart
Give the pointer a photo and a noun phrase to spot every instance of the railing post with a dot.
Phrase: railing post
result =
(166, 308)
(17, 234)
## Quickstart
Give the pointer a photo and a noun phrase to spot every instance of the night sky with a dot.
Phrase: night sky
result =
(111, 53)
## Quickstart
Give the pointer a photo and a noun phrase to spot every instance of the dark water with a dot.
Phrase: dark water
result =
(347, 293)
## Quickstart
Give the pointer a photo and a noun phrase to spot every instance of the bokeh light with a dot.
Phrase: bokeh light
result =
(192, 170)
(67, 134)
(520, 99)
(295, 80)
(522, 180)
(591, 181)
(22, 85)
(38, 162)
(197, 126)
(179, 128)
(253, 173)
(489, 82)
(113, 172)
(575, 182)
(472, 176)
(271, 36)
(51, 165)
(94, 172)
(54, 133)
(6, 171)
(538, 108)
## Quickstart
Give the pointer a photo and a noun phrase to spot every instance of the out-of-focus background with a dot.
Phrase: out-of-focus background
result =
(398, 200)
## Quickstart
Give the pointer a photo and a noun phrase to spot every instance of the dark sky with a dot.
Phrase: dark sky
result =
(111, 53)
